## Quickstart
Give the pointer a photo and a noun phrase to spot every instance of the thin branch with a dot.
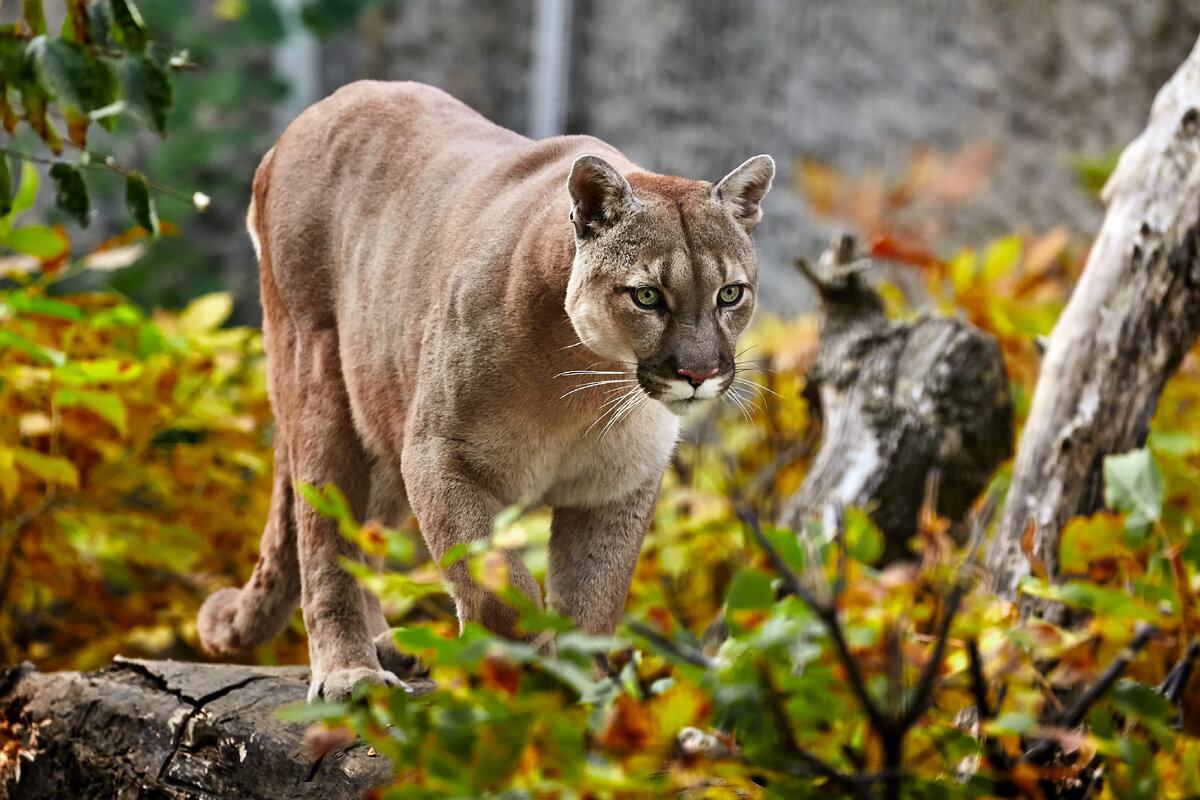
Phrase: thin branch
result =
(979, 687)
(104, 164)
(688, 654)
(929, 675)
(1177, 679)
(828, 614)
(1074, 714)
(821, 767)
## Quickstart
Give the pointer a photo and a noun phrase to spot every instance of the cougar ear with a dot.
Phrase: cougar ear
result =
(599, 195)
(742, 190)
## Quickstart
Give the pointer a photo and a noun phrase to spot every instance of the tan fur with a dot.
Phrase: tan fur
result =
(430, 315)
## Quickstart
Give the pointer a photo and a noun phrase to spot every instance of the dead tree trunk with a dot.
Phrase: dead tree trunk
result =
(1133, 316)
(899, 401)
(170, 730)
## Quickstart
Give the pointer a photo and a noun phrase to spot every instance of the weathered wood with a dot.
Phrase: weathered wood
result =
(1132, 317)
(169, 729)
(899, 401)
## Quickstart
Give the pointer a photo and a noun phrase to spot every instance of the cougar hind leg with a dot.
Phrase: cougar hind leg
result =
(389, 506)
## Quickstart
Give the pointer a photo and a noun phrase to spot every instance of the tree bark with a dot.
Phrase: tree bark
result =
(168, 729)
(900, 401)
(1131, 319)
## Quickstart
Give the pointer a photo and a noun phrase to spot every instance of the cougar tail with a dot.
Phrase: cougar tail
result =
(235, 620)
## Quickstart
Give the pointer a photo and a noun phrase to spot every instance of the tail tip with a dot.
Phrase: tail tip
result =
(218, 633)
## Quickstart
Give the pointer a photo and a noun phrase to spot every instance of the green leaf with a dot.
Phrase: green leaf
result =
(1021, 723)
(1139, 700)
(1134, 484)
(99, 15)
(316, 711)
(864, 542)
(34, 351)
(70, 192)
(108, 407)
(6, 187)
(36, 240)
(750, 588)
(140, 203)
(128, 28)
(45, 306)
(35, 17)
(63, 68)
(147, 91)
(27, 192)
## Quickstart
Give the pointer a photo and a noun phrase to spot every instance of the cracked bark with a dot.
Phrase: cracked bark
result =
(1131, 319)
(899, 401)
(172, 730)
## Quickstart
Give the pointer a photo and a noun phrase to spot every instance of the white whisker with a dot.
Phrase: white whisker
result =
(593, 372)
(597, 383)
(625, 410)
(757, 386)
(615, 404)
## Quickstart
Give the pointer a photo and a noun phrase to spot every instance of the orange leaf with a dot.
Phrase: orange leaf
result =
(626, 725)
(1035, 562)
(906, 252)
(322, 740)
(497, 672)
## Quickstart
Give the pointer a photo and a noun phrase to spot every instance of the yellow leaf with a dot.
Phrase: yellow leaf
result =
(104, 405)
(9, 479)
(1001, 256)
(53, 470)
(206, 313)
(962, 270)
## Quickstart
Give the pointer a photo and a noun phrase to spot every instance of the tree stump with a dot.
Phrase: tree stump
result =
(168, 729)
(899, 402)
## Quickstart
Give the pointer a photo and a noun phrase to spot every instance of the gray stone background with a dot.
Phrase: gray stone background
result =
(695, 87)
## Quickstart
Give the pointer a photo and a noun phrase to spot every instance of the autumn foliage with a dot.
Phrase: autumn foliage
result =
(754, 662)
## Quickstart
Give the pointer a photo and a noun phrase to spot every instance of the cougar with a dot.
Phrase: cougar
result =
(458, 319)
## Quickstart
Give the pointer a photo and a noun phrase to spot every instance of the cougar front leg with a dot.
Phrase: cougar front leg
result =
(325, 449)
(452, 509)
(593, 552)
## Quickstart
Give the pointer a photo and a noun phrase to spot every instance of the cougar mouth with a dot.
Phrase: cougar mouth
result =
(681, 395)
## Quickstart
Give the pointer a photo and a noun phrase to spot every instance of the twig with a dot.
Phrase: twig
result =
(929, 675)
(1177, 679)
(1074, 714)
(103, 163)
(688, 654)
(817, 764)
(979, 687)
(828, 615)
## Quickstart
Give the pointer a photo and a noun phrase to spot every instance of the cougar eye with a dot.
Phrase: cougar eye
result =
(646, 297)
(729, 294)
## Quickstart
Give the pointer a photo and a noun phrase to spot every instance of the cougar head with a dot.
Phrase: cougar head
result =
(665, 273)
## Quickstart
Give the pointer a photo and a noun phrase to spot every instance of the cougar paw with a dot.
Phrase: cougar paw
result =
(339, 684)
(396, 661)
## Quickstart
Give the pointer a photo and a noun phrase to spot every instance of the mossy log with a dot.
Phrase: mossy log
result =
(168, 730)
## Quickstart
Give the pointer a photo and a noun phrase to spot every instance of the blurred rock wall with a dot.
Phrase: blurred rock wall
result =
(696, 87)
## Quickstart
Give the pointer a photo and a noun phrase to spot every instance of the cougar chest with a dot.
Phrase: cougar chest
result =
(600, 466)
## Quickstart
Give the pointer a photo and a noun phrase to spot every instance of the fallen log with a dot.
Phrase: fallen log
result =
(899, 401)
(168, 729)
(1131, 319)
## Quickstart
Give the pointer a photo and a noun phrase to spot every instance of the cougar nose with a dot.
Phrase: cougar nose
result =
(695, 377)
